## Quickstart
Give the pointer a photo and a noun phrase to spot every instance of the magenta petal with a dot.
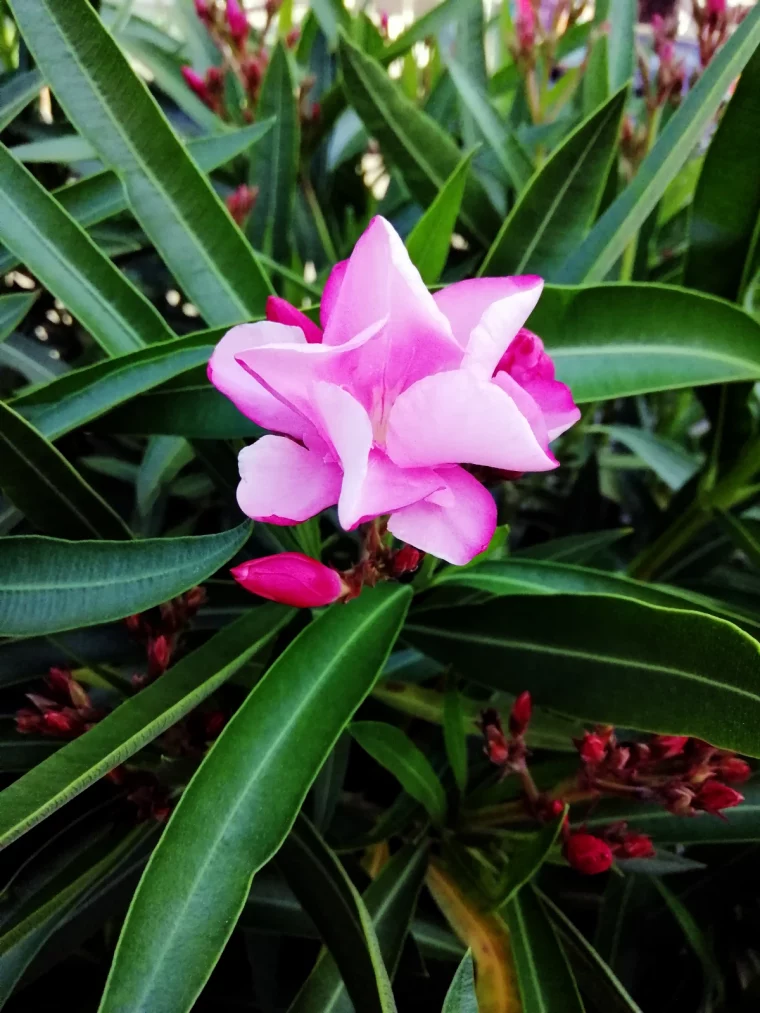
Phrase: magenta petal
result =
(331, 290)
(456, 527)
(528, 408)
(456, 417)
(346, 426)
(281, 312)
(465, 302)
(246, 393)
(284, 483)
(290, 578)
(498, 325)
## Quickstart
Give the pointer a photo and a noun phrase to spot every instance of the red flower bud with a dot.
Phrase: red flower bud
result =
(496, 747)
(61, 724)
(159, 655)
(406, 560)
(592, 748)
(272, 7)
(59, 680)
(633, 845)
(714, 796)
(519, 717)
(290, 578)
(133, 624)
(241, 201)
(202, 11)
(213, 724)
(734, 770)
(588, 854)
(291, 39)
(29, 721)
(196, 83)
(716, 7)
(665, 747)
(237, 22)
(194, 598)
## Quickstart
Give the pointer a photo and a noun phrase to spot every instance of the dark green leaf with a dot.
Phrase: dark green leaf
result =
(599, 252)
(575, 548)
(696, 939)
(173, 202)
(67, 261)
(48, 490)
(214, 842)
(526, 860)
(13, 309)
(622, 42)
(165, 457)
(425, 154)
(136, 721)
(743, 535)
(667, 458)
(559, 204)
(608, 660)
(16, 93)
(726, 203)
(455, 729)
(461, 997)
(47, 585)
(429, 241)
(331, 15)
(274, 164)
(394, 751)
(546, 981)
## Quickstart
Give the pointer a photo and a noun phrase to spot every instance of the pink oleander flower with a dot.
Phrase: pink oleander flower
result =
(379, 411)
(292, 579)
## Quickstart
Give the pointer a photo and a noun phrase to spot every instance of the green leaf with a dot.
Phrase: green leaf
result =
(171, 199)
(429, 241)
(461, 997)
(526, 860)
(164, 458)
(331, 15)
(596, 977)
(545, 979)
(274, 165)
(455, 730)
(666, 457)
(574, 548)
(136, 721)
(393, 750)
(13, 309)
(596, 80)
(743, 535)
(83, 395)
(67, 262)
(66, 148)
(423, 151)
(523, 575)
(48, 490)
(622, 42)
(425, 27)
(215, 840)
(617, 340)
(509, 153)
(363, 935)
(608, 660)
(696, 939)
(726, 203)
(606, 242)
(555, 211)
(48, 585)
(16, 92)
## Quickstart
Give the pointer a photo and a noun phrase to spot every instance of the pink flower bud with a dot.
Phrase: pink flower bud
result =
(202, 10)
(196, 83)
(240, 202)
(588, 854)
(237, 22)
(716, 7)
(665, 747)
(525, 24)
(519, 717)
(734, 770)
(714, 796)
(592, 748)
(290, 578)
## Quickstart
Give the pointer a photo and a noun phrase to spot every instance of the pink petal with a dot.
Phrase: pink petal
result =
(284, 483)
(528, 408)
(280, 311)
(331, 290)
(228, 376)
(498, 325)
(458, 418)
(465, 302)
(290, 578)
(457, 527)
(555, 400)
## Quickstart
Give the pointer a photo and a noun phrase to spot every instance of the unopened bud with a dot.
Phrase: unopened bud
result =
(202, 11)
(213, 724)
(59, 723)
(133, 624)
(159, 655)
(272, 7)
(194, 598)
(714, 796)
(665, 747)
(241, 201)
(195, 82)
(495, 745)
(733, 769)
(292, 579)
(519, 716)
(291, 39)
(406, 560)
(237, 22)
(28, 721)
(588, 854)
(59, 679)
(633, 845)
(591, 748)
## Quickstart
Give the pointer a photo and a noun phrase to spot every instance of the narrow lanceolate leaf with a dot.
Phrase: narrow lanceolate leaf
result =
(523, 575)
(559, 204)
(171, 199)
(456, 727)
(165, 457)
(274, 165)
(16, 93)
(595, 976)
(371, 940)
(727, 199)
(622, 15)
(618, 225)
(510, 156)
(610, 660)
(617, 340)
(461, 997)
(487, 937)
(423, 151)
(696, 938)
(48, 585)
(136, 721)
(395, 751)
(544, 975)
(331, 15)
(667, 458)
(70, 265)
(743, 536)
(429, 241)
(49, 491)
(13, 309)
(263, 762)
(529, 855)
(575, 548)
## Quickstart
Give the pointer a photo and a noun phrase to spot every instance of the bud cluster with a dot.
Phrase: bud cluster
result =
(64, 711)
(686, 775)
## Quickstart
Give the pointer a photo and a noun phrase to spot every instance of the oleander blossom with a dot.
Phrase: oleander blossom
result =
(383, 409)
